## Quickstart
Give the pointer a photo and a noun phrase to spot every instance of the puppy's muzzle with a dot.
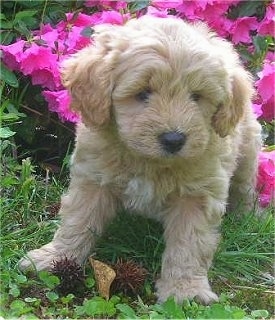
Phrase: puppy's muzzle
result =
(172, 141)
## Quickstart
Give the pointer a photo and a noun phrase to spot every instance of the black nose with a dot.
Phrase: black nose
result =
(172, 141)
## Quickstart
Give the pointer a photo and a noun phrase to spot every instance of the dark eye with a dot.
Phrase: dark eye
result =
(143, 96)
(195, 96)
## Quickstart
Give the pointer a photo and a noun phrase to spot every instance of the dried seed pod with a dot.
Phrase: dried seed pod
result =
(130, 277)
(70, 274)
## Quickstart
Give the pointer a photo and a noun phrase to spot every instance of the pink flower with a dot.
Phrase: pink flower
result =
(192, 9)
(41, 63)
(215, 15)
(50, 38)
(117, 5)
(267, 25)
(74, 41)
(35, 57)
(268, 110)
(46, 79)
(13, 54)
(78, 20)
(266, 178)
(257, 109)
(152, 11)
(112, 17)
(266, 83)
(241, 29)
(91, 3)
(162, 4)
(270, 56)
(59, 101)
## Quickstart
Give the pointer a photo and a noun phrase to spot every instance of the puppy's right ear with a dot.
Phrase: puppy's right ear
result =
(88, 77)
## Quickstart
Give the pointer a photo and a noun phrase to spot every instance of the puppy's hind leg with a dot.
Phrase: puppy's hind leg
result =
(84, 211)
(242, 194)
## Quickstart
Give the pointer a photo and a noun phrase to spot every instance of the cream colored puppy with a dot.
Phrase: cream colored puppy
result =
(167, 131)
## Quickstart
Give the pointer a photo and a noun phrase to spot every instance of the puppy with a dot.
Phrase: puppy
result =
(167, 130)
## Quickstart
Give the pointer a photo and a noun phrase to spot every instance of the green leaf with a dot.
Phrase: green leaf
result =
(20, 278)
(6, 24)
(8, 117)
(138, 5)
(19, 307)
(52, 296)
(248, 8)
(99, 306)
(260, 314)
(87, 32)
(17, 304)
(21, 15)
(172, 309)
(260, 43)
(8, 76)
(14, 290)
(27, 18)
(90, 282)
(22, 28)
(49, 280)
(31, 300)
(6, 133)
(127, 311)
(68, 298)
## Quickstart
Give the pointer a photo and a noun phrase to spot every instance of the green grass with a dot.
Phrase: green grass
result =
(241, 271)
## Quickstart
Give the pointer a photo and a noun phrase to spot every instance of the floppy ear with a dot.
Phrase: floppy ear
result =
(230, 112)
(88, 77)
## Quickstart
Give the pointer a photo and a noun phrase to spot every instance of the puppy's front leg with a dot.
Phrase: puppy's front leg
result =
(84, 211)
(191, 240)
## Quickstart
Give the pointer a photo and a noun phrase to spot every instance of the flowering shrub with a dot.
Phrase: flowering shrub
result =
(249, 25)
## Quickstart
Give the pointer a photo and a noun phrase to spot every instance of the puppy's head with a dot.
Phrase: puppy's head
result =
(165, 85)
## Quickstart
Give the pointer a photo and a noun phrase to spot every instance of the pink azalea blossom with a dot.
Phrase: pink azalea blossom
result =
(74, 40)
(50, 38)
(267, 25)
(270, 56)
(265, 87)
(43, 65)
(268, 110)
(36, 57)
(112, 17)
(78, 20)
(45, 78)
(191, 9)
(162, 4)
(13, 54)
(266, 178)
(59, 101)
(153, 11)
(241, 29)
(116, 5)
(215, 15)
(266, 82)
(257, 109)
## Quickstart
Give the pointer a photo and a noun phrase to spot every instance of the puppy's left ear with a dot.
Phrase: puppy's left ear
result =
(230, 112)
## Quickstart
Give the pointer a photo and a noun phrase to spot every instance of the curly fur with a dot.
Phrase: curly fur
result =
(119, 161)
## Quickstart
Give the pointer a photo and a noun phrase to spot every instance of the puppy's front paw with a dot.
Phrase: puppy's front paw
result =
(181, 289)
(40, 259)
